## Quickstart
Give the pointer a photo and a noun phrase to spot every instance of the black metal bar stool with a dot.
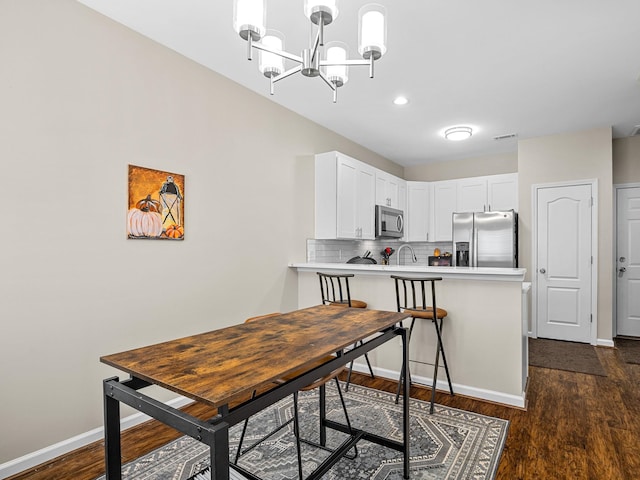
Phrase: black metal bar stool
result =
(319, 383)
(411, 298)
(334, 289)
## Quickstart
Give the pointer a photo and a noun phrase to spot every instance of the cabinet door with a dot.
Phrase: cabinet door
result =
(502, 192)
(402, 195)
(381, 189)
(346, 207)
(366, 197)
(472, 194)
(387, 189)
(445, 196)
(417, 212)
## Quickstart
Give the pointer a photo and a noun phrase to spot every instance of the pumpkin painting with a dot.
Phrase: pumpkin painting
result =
(155, 207)
(149, 205)
(175, 231)
(144, 224)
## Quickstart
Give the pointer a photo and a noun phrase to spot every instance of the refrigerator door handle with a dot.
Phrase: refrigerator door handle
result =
(474, 247)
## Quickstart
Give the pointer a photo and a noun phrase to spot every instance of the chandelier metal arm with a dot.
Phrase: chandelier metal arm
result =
(286, 74)
(280, 53)
(319, 41)
(328, 82)
(325, 63)
(332, 86)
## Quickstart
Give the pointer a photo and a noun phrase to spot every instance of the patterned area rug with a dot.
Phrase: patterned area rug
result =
(450, 444)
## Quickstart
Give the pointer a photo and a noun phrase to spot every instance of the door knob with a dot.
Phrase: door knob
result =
(621, 270)
(543, 271)
(623, 259)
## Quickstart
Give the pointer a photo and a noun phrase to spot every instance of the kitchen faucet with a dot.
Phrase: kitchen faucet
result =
(413, 254)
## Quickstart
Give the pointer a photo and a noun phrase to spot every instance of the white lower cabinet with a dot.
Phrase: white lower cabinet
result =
(344, 197)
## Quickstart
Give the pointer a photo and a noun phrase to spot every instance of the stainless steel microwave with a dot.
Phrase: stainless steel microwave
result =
(389, 222)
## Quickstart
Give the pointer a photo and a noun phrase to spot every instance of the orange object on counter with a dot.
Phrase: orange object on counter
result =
(436, 252)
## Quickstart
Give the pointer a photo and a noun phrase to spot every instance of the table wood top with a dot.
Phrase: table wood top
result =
(220, 366)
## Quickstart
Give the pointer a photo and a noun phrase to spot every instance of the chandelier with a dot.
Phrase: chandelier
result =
(329, 62)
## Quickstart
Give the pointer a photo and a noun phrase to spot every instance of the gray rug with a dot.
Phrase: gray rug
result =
(629, 349)
(450, 444)
(560, 355)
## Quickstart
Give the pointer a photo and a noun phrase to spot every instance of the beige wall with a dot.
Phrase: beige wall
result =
(626, 160)
(559, 158)
(82, 97)
(469, 167)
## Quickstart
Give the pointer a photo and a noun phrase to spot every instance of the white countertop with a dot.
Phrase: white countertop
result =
(475, 273)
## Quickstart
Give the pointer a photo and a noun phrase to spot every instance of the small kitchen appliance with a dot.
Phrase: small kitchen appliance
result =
(389, 222)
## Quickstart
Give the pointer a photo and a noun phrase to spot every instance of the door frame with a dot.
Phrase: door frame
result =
(594, 252)
(614, 253)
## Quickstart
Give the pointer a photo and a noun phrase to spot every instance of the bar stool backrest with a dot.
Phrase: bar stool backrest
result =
(411, 293)
(334, 288)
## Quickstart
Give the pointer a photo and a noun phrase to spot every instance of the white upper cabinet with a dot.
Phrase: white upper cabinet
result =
(390, 190)
(483, 194)
(472, 194)
(444, 203)
(344, 197)
(417, 213)
(502, 192)
(365, 208)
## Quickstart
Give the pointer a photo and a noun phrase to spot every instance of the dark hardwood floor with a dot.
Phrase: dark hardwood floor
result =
(576, 426)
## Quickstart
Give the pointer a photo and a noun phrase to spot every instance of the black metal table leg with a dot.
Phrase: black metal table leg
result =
(323, 415)
(405, 402)
(113, 454)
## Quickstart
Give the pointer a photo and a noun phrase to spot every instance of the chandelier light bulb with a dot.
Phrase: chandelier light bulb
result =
(372, 31)
(337, 53)
(249, 18)
(315, 10)
(270, 64)
(458, 133)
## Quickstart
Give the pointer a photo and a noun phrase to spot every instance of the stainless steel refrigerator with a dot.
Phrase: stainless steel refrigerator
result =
(485, 239)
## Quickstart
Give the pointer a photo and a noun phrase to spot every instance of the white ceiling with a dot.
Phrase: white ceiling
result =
(502, 66)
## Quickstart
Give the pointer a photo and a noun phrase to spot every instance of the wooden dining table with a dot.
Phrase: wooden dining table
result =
(222, 368)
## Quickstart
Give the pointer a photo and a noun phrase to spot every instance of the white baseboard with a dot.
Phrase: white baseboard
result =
(603, 342)
(479, 393)
(41, 456)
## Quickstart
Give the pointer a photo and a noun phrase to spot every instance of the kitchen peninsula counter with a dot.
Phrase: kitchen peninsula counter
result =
(484, 335)
(476, 273)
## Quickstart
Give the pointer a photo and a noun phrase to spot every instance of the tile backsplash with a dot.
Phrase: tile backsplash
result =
(339, 251)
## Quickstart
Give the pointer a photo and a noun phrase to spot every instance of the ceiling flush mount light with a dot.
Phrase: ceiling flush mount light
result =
(329, 63)
(458, 133)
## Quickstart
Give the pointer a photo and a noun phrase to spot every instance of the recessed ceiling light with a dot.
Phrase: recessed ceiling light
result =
(458, 133)
(400, 101)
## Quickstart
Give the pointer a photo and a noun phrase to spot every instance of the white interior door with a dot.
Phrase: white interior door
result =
(628, 262)
(563, 262)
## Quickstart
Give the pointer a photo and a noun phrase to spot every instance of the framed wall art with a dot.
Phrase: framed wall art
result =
(156, 204)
